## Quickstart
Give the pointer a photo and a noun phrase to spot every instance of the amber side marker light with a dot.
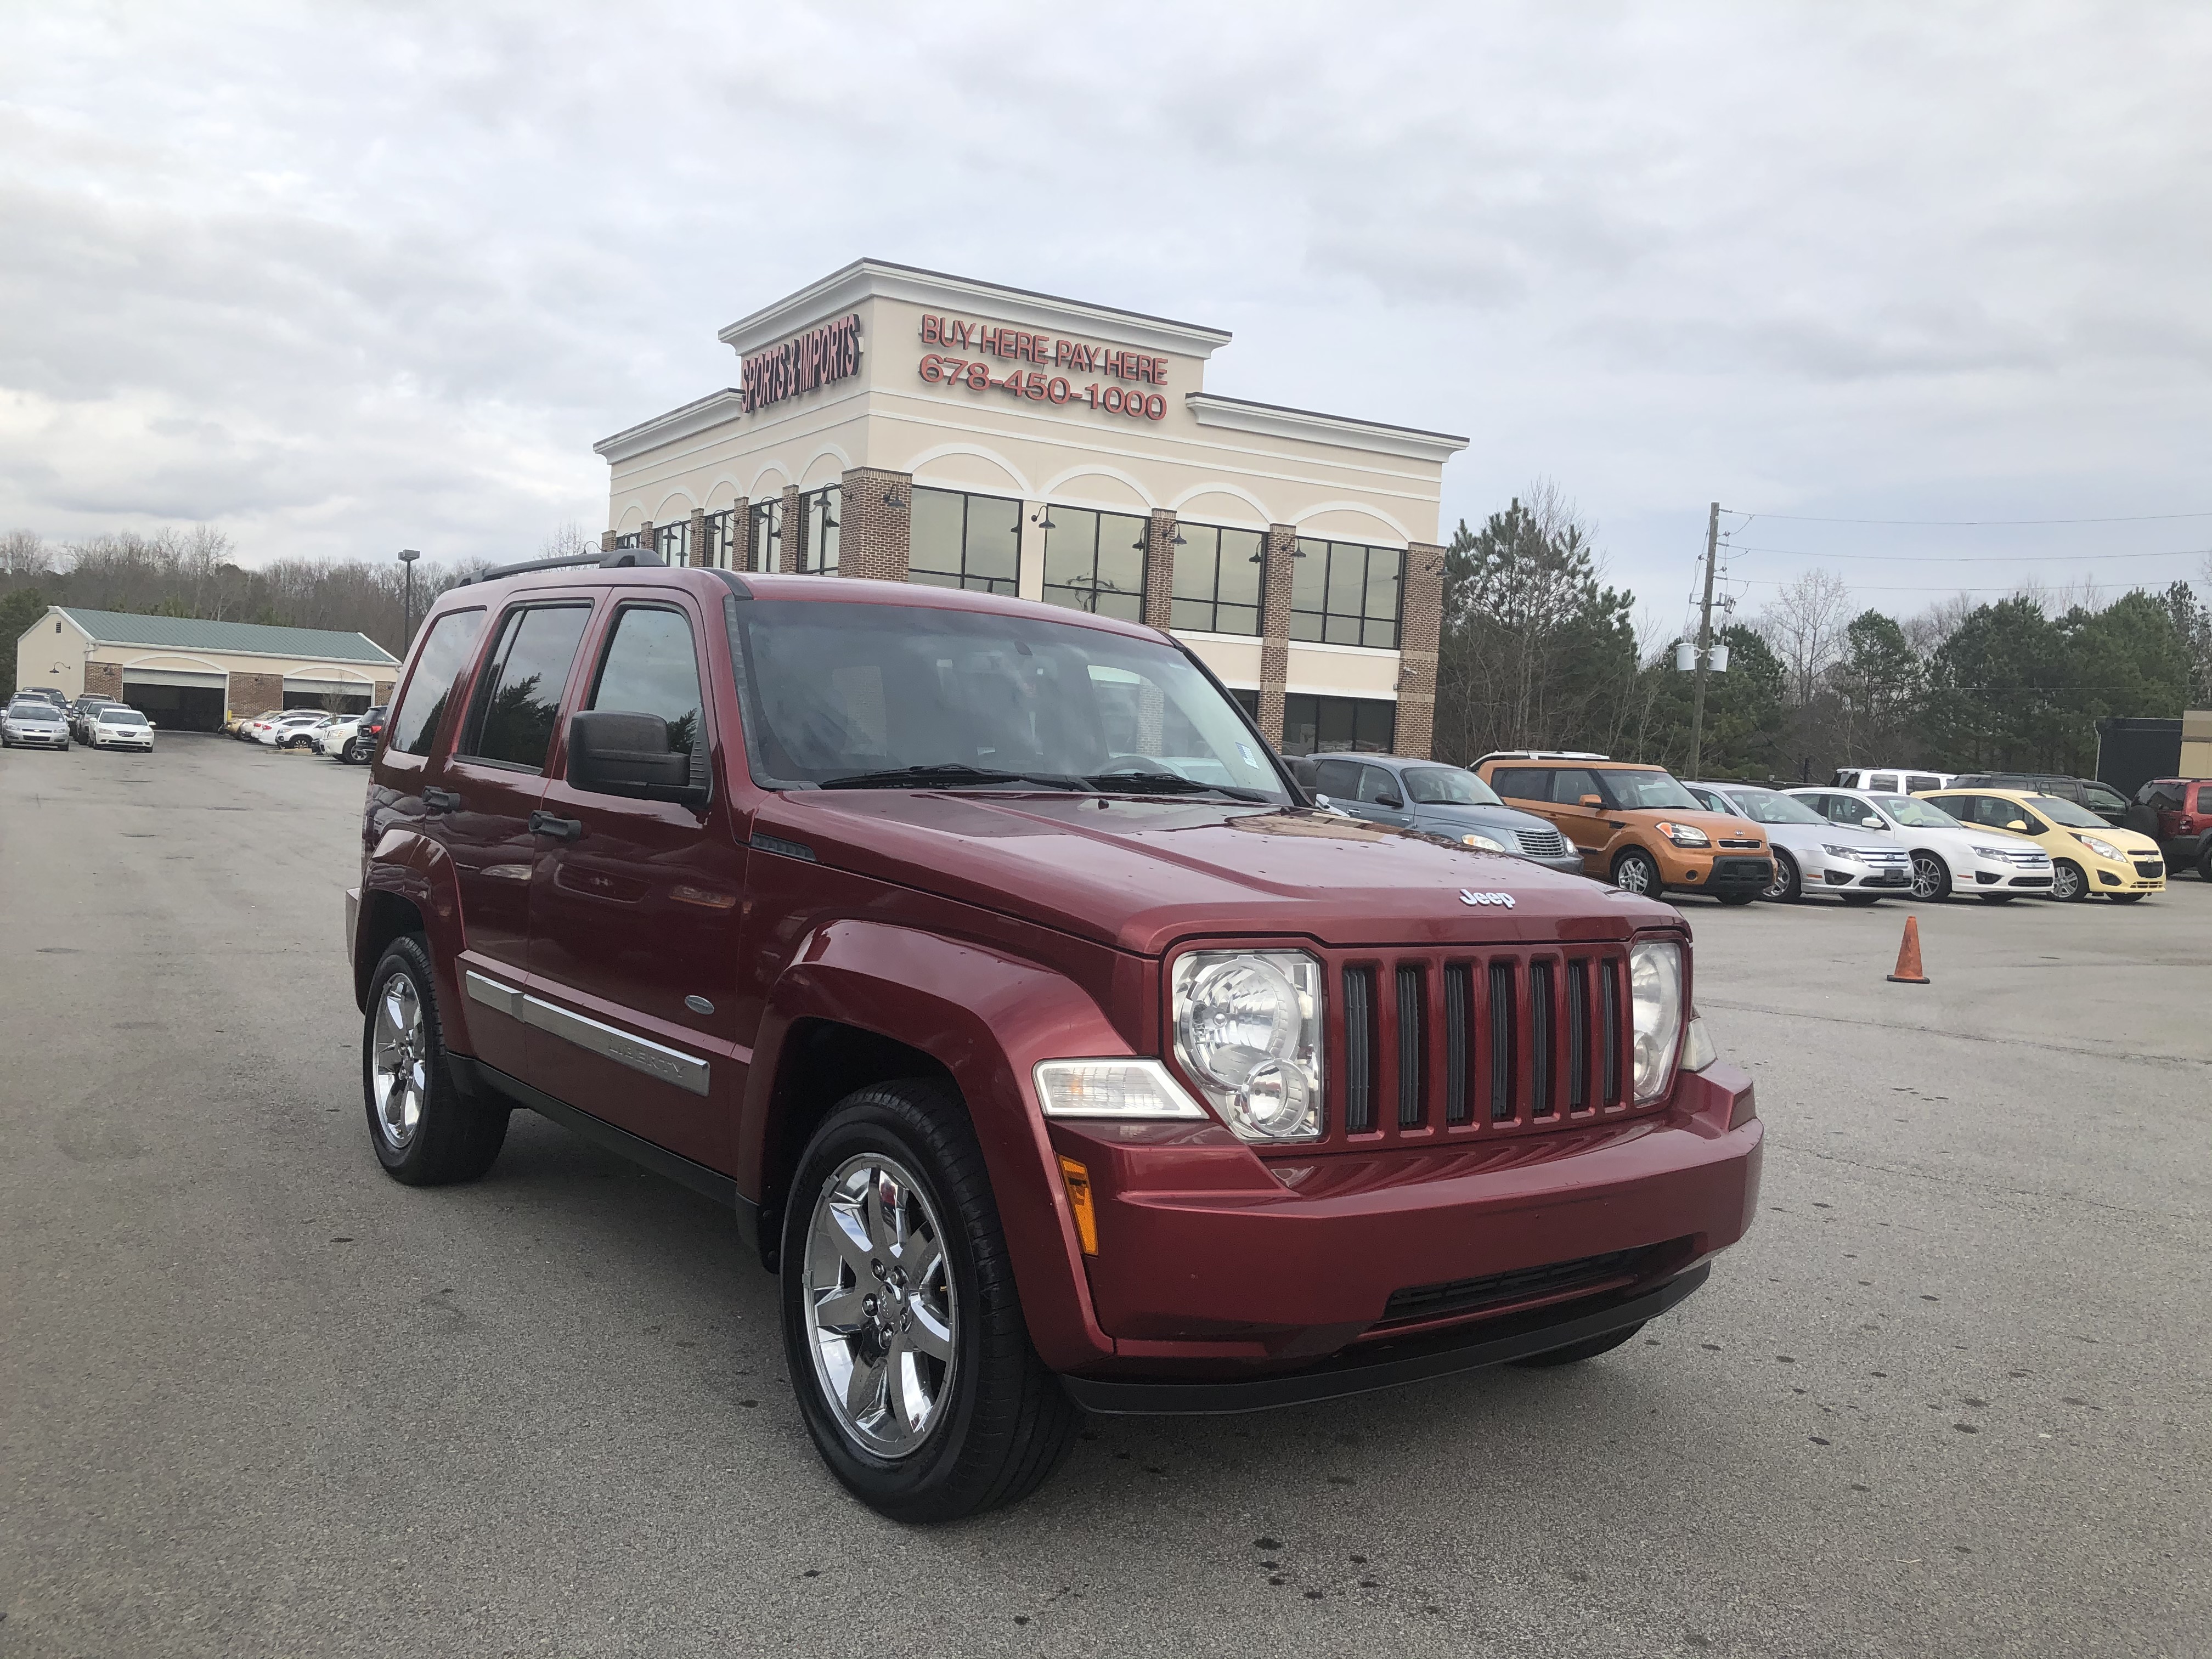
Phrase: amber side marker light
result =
(1079, 1198)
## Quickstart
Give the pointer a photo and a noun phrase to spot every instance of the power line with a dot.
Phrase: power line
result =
(1906, 587)
(1971, 558)
(1807, 517)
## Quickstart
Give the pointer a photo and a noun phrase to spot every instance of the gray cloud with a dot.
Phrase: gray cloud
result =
(342, 279)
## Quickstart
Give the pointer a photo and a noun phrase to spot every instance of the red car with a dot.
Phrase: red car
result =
(2177, 814)
(1052, 1049)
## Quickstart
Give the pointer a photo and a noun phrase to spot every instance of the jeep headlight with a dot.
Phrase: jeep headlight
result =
(1247, 1032)
(1655, 1001)
(1482, 843)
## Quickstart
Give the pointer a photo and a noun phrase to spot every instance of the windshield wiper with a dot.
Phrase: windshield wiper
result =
(1168, 783)
(950, 774)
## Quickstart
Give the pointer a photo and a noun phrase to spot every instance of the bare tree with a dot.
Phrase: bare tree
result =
(1926, 632)
(23, 553)
(568, 541)
(1804, 623)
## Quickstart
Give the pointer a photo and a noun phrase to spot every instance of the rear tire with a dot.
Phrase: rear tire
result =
(1788, 884)
(2068, 882)
(1636, 871)
(1575, 1353)
(425, 1132)
(923, 1393)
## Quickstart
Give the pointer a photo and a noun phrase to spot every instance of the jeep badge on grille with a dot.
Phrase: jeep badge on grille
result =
(1502, 900)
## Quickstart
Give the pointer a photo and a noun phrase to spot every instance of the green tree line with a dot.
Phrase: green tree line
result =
(1539, 652)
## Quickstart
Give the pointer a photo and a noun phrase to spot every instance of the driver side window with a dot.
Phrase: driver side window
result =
(1842, 809)
(1375, 783)
(1571, 784)
(652, 668)
(1338, 778)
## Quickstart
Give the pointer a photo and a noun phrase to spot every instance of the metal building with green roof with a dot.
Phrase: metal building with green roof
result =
(187, 674)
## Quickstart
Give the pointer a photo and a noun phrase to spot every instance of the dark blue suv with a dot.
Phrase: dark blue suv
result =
(1440, 800)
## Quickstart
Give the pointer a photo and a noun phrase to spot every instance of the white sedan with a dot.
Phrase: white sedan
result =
(1948, 856)
(294, 731)
(114, 727)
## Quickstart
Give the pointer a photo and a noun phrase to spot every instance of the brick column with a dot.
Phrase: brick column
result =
(789, 561)
(698, 537)
(875, 535)
(606, 541)
(105, 679)
(1275, 629)
(249, 694)
(382, 696)
(1159, 568)
(1419, 624)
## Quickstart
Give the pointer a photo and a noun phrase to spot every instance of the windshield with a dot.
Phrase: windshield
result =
(2066, 812)
(121, 717)
(1653, 789)
(837, 692)
(1772, 806)
(1447, 786)
(1916, 814)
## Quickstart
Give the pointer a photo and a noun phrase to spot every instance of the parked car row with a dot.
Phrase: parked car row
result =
(41, 719)
(1637, 826)
(347, 738)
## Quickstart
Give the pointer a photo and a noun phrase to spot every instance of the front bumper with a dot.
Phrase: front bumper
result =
(1214, 1266)
(1726, 872)
(39, 739)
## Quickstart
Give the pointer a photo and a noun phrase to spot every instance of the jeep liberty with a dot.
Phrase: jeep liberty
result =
(1054, 1053)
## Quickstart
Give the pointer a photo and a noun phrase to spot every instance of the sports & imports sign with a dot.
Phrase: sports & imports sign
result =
(820, 355)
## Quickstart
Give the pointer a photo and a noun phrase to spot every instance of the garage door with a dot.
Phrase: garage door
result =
(174, 700)
(338, 696)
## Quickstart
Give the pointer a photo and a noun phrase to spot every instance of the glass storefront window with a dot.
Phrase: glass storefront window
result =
(959, 540)
(1217, 576)
(1314, 725)
(673, 542)
(1095, 561)
(1346, 592)
(720, 552)
(817, 530)
(765, 534)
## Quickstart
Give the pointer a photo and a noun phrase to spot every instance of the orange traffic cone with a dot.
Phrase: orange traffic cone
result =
(1908, 956)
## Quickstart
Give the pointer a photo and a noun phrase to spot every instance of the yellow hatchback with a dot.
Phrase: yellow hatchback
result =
(2087, 855)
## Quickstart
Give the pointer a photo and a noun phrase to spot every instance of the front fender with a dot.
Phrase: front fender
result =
(987, 1019)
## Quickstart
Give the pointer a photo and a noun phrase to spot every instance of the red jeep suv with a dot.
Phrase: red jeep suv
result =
(2177, 814)
(1054, 1053)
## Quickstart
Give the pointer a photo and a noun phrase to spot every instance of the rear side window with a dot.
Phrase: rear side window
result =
(1880, 780)
(452, 641)
(1571, 784)
(651, 668)
(520, 697)
(2204, 797)
(1523, 782)
(1917, 782)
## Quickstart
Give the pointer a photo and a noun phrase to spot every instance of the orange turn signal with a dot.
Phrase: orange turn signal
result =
(1078, 1199)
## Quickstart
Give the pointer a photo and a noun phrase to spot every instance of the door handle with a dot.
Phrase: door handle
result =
(544, 823)
(436, 800)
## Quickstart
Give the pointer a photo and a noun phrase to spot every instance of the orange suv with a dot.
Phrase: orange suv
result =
(1634, 824)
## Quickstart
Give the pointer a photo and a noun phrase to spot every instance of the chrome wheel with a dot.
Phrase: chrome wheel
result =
(880, 1305)
(1785, 879)
(1635, 874)
(400, 1062)
(1929, 878)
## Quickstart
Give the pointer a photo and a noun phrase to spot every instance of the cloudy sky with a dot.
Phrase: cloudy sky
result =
(342, 279)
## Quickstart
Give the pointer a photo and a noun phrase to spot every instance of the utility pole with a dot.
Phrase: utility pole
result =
(1704, 641)
(408, 556)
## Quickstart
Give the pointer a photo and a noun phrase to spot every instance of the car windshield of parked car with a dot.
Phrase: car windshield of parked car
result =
(1654, 788)
(2066, 812)
(34, 711)
(850, 696)
(1447, 786)
(1916, 814)
(1772, 806)
(121, 717)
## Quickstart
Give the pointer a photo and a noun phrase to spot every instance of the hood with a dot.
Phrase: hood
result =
(1494, 818)
(1139, 874)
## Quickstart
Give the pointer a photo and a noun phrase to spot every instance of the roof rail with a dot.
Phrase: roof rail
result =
(1542, 754)
(622, 558)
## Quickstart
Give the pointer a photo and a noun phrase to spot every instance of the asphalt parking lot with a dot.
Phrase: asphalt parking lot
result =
(1952, 1395)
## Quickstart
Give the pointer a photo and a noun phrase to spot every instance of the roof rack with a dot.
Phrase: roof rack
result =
(1542, 754)
(623, 558)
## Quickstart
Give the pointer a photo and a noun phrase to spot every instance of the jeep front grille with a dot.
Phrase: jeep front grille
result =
(1445, 1044)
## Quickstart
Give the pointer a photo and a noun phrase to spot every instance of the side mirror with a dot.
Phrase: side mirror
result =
(1394, 802)
(1594, 802)
(1871, 823)
(2021, 824)
(611, 753)
(1321, 800)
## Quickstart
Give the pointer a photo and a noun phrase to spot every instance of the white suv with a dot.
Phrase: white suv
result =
(1946, 854)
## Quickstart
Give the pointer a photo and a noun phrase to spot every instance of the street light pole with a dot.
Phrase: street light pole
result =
(407, 557)
(1705, 642)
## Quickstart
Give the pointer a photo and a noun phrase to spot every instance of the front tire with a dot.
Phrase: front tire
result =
(2069, 881)
(425, 1132)
(1576, 1352)
(1636, 871)
(903, 1329)
(1788, 884)
(1931, 877)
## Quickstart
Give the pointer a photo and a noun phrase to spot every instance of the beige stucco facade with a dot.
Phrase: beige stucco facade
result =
(1060, 434)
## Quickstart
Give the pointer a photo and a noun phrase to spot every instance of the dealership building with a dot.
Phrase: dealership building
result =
(184, 674)
(909, 426)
